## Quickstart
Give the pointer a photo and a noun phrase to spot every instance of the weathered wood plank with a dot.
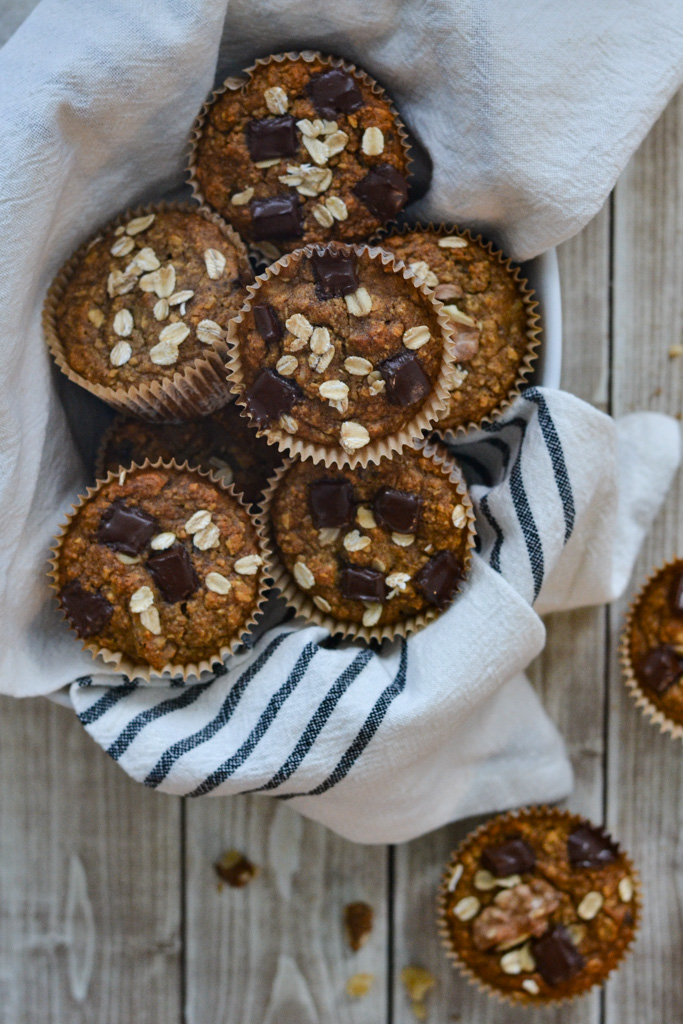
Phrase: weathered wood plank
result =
(89, 880)
(645, 771)
(274, 952)
(569, 675)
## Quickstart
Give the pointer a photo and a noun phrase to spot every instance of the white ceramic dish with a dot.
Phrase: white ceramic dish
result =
(544, 277)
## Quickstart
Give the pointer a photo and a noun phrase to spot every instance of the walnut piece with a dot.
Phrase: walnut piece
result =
(357, 924)
(515, 914)
(235, 869)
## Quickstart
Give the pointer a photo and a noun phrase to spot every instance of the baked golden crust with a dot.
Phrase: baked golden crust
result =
(222, 444)
(593, 903)
(121, 311)
(317, 558)
(185, 629)
(655, 642)
(230, 180)
(466, 275)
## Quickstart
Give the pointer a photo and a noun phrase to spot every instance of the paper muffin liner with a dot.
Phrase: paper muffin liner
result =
(647, 707)
(523, 998)
(533, 319)
(196, 390)
(239, 83)
(303, 604)
(117, 659)
(384, 447)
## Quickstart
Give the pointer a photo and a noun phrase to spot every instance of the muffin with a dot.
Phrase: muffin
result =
(652, 648)
(340, 356)
(379, 550)
(304, 148)
(160, 569)
(222, 444)
(492, 313)
(539, 905)
(138, 316)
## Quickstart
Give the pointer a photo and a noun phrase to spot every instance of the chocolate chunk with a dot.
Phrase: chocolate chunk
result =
(335, 274)
(660, 668)
(173, 572)
(267, 322)
(276, 217)
(511, 858)
(331, 503)
(334, 92)
(589, 847)
(438, 579)
(269, 396)
(358, 919)
(398, 510)
(676, 596)
(272, 137)
(126, 528)
(557, 958)
(87, 611)
(359, 584)
(236, 869)
(406, 380)
(383, 190)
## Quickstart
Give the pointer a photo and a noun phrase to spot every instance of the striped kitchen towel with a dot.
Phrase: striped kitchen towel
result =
(382, 746)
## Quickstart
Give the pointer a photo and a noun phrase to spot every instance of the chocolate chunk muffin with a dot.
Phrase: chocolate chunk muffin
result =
(652, 648)
(160, 569)
(304, 148)
(538, 906)
(222, 444)
(150, 297)
(491, 310)
(339, 356)
(378, 550)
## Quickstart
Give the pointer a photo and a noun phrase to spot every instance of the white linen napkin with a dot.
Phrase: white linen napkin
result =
(528, 117)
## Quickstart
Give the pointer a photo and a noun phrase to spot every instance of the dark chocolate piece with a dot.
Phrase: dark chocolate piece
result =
(173, 572)
(660, 668)
(270, 396)
(334, 92)
(589, 847)
(267, 322)
(276, 217)
(331, 503)
(335, 274)
(438, 579)
(398, 510)
(511, 858)
(360, 584)
(557, 958)
(407, 382)
(126, 528)
(676, 596)
(383, 190)
(87, 611)
(271, 138)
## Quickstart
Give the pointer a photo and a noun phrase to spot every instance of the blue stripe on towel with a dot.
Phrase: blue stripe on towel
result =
(367, 731)
(554, 446)
(230, 766)
(173, 753)
(106, 702)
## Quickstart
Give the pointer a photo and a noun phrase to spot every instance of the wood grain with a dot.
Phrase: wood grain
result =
(274, 952)
(645, 791)
(89, 880)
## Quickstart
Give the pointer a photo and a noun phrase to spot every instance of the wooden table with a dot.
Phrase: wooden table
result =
(108, 902)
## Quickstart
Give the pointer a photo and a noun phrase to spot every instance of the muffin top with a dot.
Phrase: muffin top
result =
(161, 565)
(304, 151)
(338, 349)
(489, 315)
(377, 545)
(223, 444)
(656, 641)
(540, 905)
(150, 297)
